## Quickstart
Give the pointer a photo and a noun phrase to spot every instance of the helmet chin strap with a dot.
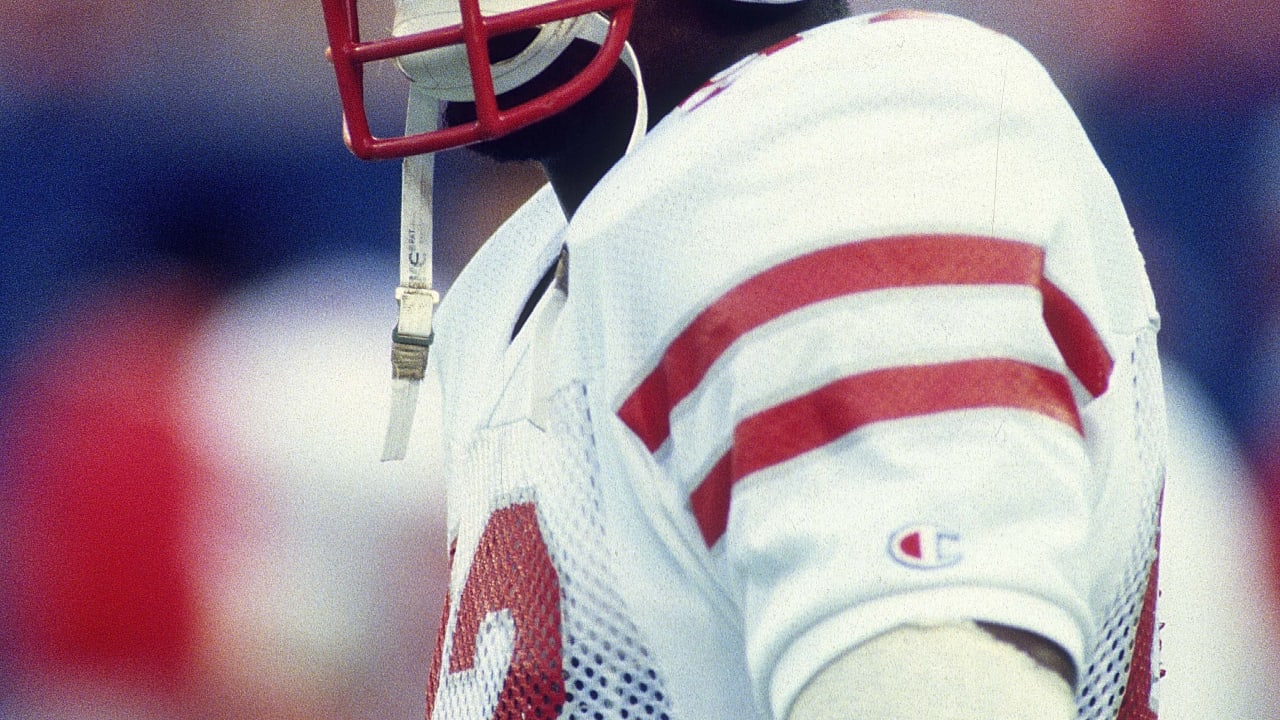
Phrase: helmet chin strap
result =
(411, 339)
(416, 296)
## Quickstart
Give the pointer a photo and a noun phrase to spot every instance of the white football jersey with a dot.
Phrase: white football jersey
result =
(858, 336)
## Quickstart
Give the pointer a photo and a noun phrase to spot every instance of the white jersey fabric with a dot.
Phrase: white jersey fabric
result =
(858, 336)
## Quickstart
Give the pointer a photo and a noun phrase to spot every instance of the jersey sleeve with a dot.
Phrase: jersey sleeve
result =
(860, 340)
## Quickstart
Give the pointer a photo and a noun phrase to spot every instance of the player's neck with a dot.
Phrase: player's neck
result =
(577, 166)
(574, 175)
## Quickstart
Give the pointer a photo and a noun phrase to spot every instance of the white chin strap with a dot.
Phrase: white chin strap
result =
(416, 296)
(445, 72)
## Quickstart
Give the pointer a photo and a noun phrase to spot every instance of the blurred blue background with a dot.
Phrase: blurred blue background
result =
(194, 294)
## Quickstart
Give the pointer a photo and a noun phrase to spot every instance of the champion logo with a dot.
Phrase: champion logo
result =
(925, 546)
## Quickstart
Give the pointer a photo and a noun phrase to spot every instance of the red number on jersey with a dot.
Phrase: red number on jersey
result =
(505, 661)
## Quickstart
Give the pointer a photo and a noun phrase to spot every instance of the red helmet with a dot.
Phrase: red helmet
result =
(446, 44)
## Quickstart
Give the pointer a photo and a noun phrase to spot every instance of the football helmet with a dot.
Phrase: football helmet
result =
(445, 47)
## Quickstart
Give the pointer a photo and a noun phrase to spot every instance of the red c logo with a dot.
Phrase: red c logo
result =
(925, 546)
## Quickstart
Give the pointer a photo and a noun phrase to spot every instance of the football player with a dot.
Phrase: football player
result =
(819, 382)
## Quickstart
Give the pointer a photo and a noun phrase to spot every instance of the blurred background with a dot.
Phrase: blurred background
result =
(195, 300)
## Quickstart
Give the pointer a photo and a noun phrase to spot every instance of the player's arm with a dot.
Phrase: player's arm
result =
(950, 672)
(883, 432)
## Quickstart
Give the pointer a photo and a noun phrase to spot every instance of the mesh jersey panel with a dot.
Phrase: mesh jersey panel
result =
(1118, 682)
(608, 670)
(537, 630)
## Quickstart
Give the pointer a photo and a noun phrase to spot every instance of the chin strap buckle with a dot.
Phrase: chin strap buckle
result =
(411, 339)
(410, 344)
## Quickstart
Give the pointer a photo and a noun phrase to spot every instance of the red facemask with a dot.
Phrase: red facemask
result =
(473, 33)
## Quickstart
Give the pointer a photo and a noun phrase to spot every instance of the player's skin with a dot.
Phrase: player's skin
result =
(680, 44)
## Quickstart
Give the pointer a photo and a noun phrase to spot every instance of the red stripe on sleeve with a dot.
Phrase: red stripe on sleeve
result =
(810, 421)
(710, 500)
(895, 262)
(1081, 346)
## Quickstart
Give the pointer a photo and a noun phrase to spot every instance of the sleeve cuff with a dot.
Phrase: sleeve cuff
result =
(828, 640)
